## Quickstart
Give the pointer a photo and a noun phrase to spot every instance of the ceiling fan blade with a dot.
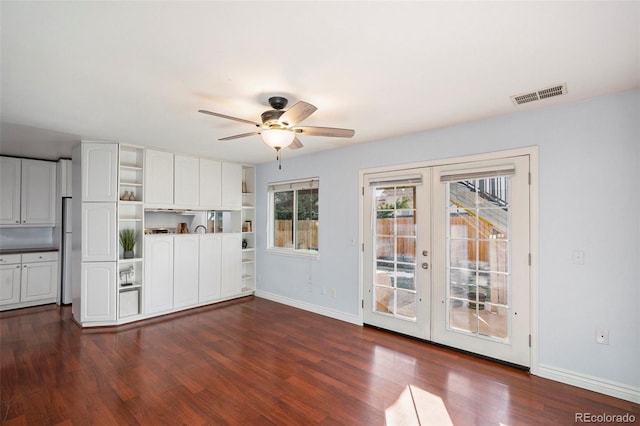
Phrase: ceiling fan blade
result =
(296, 144)
(297, 113)
(228, 117)
(243, 135)
(324, 131)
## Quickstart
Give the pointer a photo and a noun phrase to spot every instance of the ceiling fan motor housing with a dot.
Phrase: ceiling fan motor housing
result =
(271, 117)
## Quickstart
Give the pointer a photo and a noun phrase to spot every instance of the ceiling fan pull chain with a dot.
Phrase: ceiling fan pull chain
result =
(279, 158)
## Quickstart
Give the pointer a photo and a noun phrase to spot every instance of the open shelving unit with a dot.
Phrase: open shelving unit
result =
(131, 216)
(248, 220)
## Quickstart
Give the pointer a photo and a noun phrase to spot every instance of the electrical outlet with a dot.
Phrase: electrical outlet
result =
(602, 336)
(310, 286)
(333, 293)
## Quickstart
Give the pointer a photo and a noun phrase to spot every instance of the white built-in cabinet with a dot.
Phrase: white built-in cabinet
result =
(10, 282)
(10, 171)
(210, 261)
(210, 183)
(98, 292)
(158, 274)
(158, 177)
(186, 250)
(99, 235)
(117, 184)
(186, 181)
(27, 192)
(99, 172)
(231, 185)
(231, 264)
(95, 232)
(28, 279)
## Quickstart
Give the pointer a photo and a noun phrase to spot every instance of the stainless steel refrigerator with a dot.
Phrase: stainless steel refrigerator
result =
(66, 251)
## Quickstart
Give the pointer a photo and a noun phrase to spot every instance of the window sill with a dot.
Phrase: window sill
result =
(306, 254)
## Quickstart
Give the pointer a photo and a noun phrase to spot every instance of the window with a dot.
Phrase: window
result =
(294, 216)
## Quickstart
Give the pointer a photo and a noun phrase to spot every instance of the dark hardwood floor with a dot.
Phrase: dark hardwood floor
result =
(255, 362)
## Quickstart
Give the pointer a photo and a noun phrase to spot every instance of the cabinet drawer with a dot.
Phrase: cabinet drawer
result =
(46, 256)
(9, 259)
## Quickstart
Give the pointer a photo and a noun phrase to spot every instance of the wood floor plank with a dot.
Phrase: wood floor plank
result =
(253, 361)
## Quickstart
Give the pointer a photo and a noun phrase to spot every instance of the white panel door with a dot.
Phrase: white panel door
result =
(209, 268)
(158, 177)
(210, 183)
(231, 264)
(186, 181)
(10, 284)
(99, 172)
(185, 270)
(38, 193)
(99, 235)
(158, 274)
(10, 173)
(231, 185)
(98, 292)
(38, 281)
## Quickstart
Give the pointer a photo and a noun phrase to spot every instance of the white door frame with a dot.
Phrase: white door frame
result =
(532, 152)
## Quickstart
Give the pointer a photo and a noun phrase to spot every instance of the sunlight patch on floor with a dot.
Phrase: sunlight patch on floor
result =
(416, 406)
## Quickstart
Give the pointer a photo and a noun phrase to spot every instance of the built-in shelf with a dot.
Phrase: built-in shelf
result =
(130, 219)
(130, 286)
(132, 260)
(130, 167)
(123, 183)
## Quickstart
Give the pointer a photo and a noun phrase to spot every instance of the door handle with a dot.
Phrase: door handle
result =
(425, 252)
(425, 265)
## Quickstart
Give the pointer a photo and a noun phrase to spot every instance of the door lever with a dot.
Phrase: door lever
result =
(425, 265)
(425, 252)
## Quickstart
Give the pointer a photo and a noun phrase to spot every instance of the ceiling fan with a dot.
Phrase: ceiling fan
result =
(279, 128)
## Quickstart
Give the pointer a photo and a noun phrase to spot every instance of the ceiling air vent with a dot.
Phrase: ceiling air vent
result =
(560, 89)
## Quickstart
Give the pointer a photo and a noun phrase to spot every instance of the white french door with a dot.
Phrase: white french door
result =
(397, 244)
(446, 255)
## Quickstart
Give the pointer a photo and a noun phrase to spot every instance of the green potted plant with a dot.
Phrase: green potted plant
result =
(128, 242)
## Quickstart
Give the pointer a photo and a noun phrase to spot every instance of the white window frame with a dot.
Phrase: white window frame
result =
(294, 185)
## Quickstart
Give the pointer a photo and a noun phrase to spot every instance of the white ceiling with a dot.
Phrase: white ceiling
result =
(137, 72)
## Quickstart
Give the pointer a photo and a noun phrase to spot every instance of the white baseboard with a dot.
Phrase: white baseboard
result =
(331, 313)
(596, 384)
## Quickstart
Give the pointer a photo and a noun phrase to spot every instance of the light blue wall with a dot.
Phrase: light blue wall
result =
(589, 184)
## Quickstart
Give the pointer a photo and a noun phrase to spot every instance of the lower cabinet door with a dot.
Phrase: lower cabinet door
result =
(39, 281)
(98, 292)
(209, 268)
(185, 270)
(9, 284)
(231, 264)
(158, 274)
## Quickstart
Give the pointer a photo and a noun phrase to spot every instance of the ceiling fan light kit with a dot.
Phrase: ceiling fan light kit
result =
(279, 128)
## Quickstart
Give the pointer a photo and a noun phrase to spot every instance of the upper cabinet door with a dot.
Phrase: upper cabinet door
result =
(10, 191)
(158, 177)
(210, 186)
(99, 172)
(231, 185)
(187, 181)
(38, 205)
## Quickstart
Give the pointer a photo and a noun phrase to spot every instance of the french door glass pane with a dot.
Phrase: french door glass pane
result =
(478, 267)
(395, 251)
